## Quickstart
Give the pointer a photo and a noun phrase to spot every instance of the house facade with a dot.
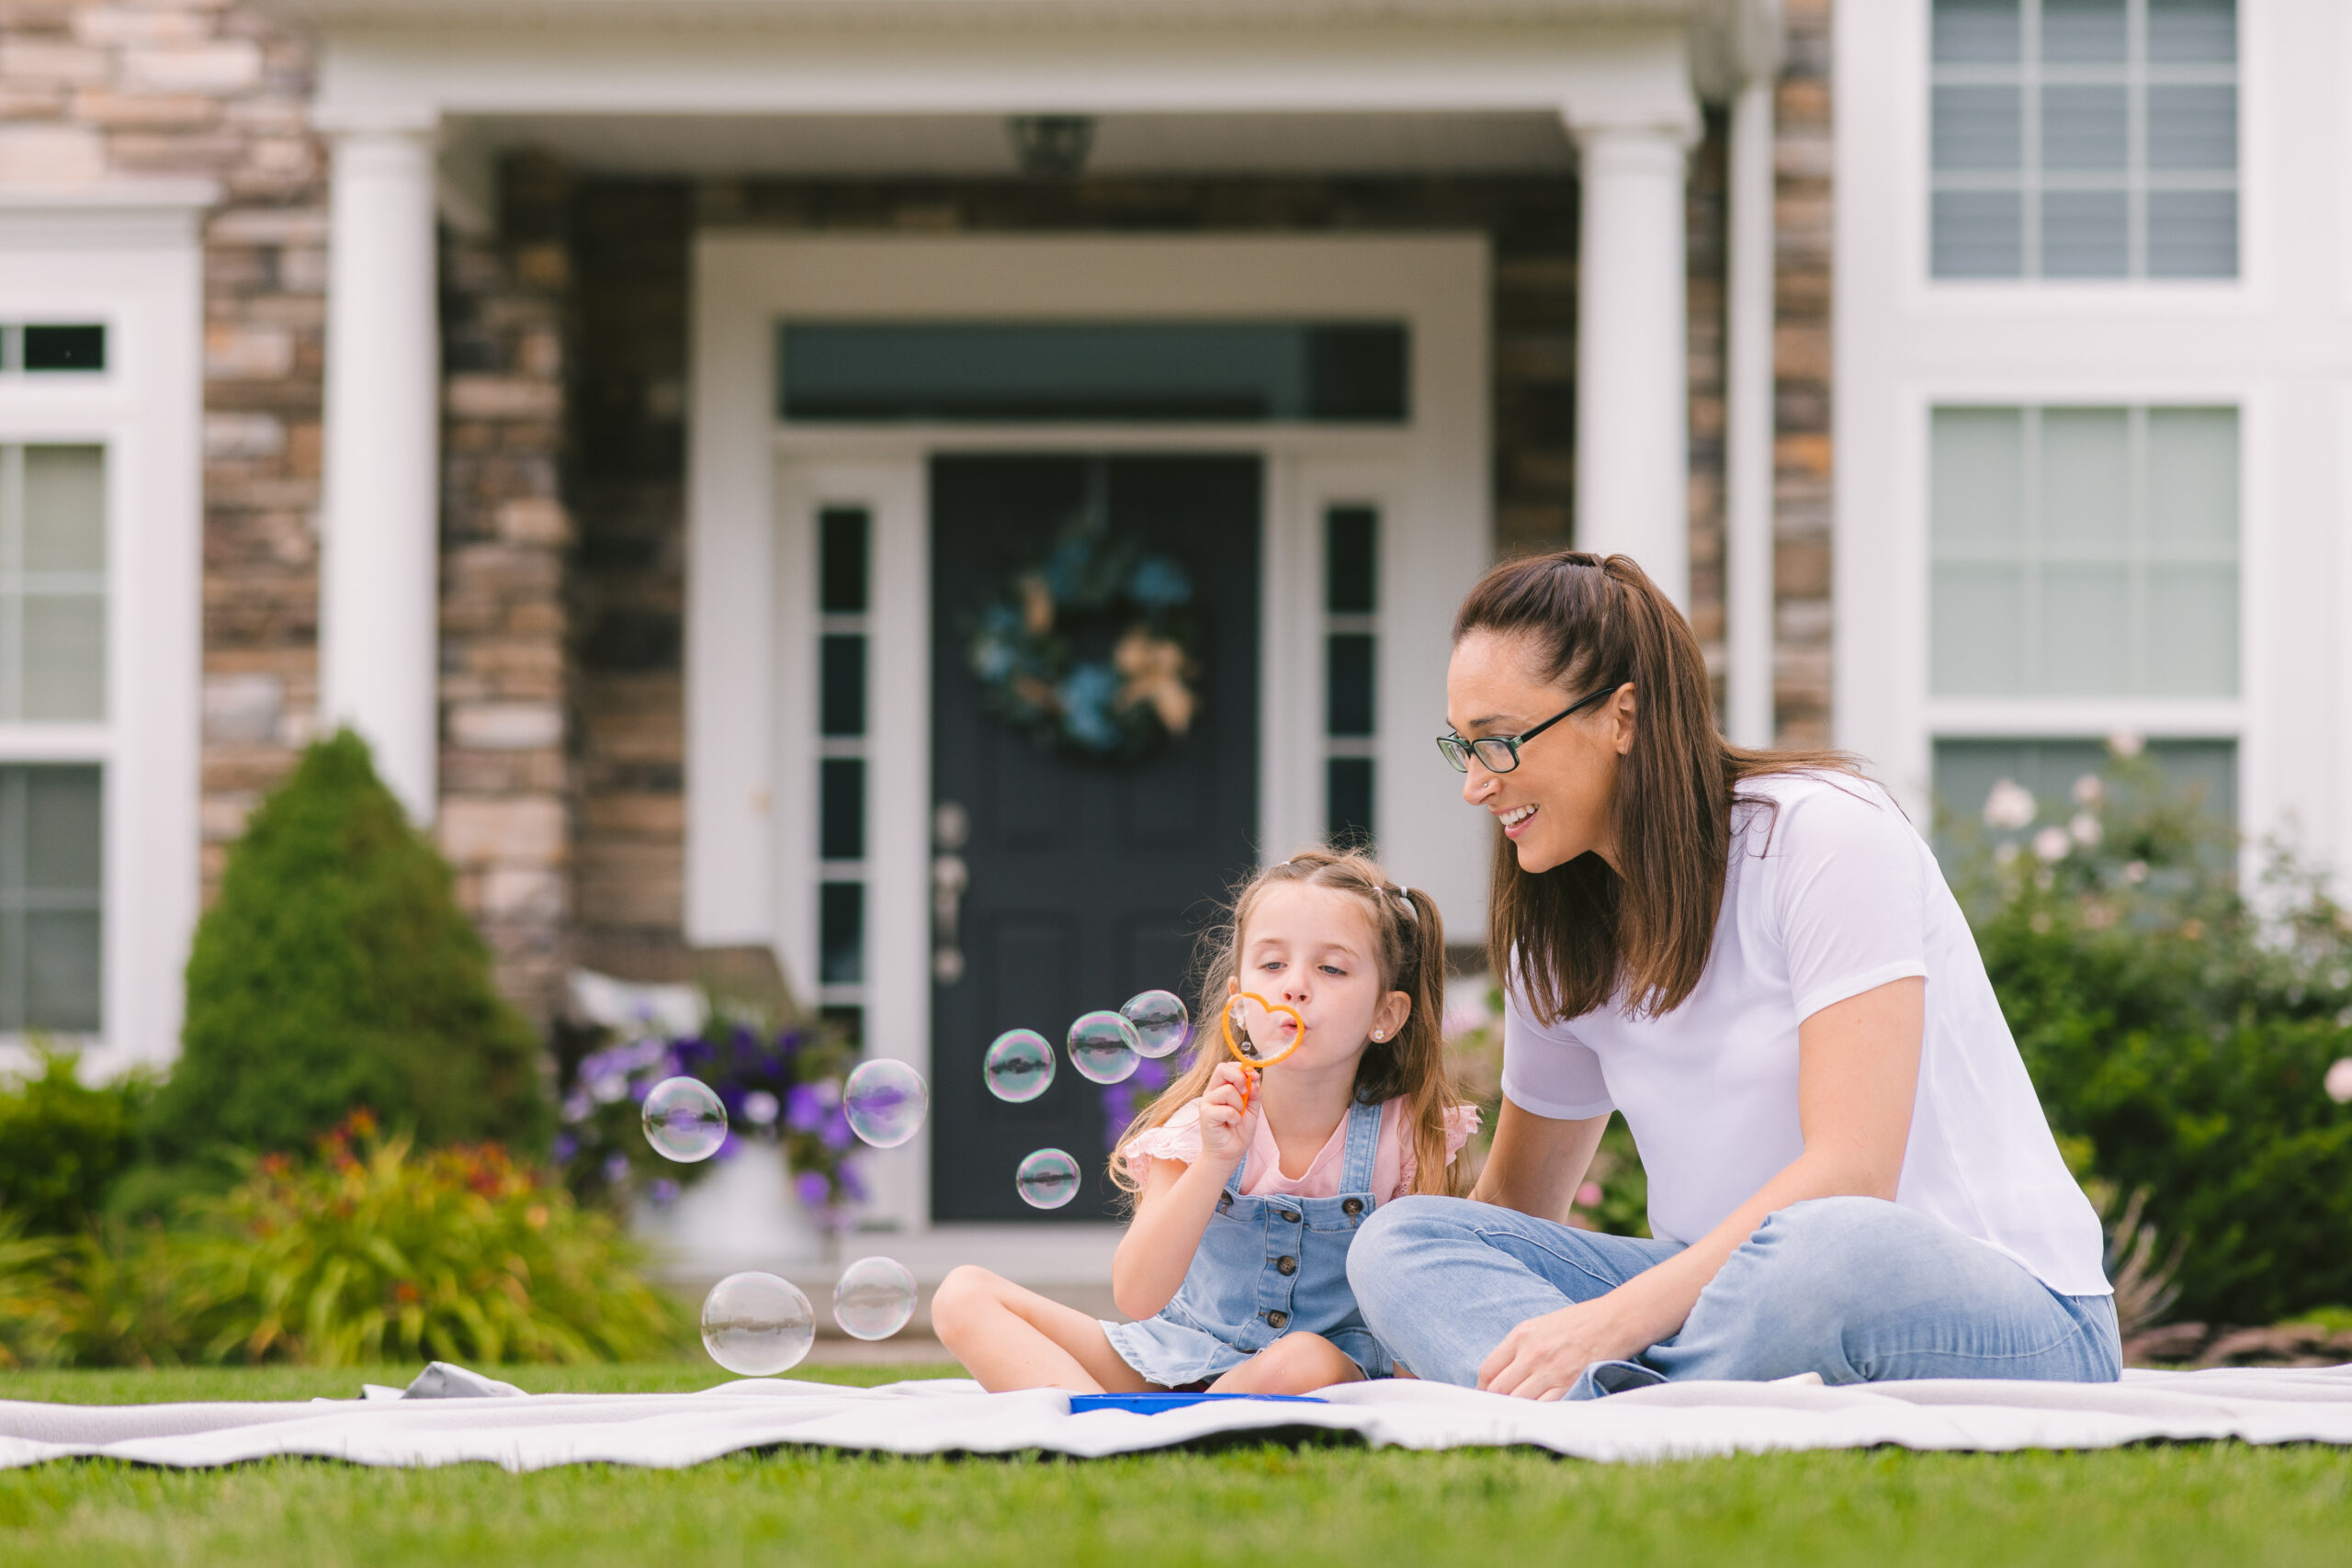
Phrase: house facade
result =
(627, 414)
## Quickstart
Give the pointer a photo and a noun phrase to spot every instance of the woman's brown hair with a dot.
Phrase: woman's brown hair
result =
(1410, 942)
(1580, 932)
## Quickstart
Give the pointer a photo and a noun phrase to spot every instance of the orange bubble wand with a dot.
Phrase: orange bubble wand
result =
(1245, 1050)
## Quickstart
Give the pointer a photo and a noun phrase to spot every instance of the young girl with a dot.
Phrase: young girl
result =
(1249, 1185)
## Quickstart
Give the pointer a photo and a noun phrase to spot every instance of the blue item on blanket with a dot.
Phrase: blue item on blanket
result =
(1153, 1404)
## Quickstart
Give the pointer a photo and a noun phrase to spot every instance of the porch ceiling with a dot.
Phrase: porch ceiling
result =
(967, 146)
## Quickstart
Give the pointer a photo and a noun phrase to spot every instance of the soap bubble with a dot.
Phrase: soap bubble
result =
(756, 1324)
(885, 1101)
(874, 1298)
(1160, 1021)
(1103, 1047)
(1047, 1179)
(683, 1120)
(1020, 1066)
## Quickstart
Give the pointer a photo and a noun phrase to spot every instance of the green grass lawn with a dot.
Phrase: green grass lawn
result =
(2188, 1505)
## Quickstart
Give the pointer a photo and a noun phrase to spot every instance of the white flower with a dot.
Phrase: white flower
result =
(606, 1090)
(760, 1108)
(2052, 843)
(2005, 852)
(2090, 791)
(2127, 743)
(2084, 829)
(2135, 871)
(2339, 1082)
(2010, 806)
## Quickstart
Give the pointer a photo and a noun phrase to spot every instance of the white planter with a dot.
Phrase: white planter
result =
(742, 1215)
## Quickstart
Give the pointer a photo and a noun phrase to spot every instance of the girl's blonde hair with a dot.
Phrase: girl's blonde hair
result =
(1409, 939)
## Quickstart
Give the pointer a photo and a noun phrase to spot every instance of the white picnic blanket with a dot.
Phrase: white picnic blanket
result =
(951, 1416)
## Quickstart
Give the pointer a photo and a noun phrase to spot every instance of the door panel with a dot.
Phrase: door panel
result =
(1088, 881)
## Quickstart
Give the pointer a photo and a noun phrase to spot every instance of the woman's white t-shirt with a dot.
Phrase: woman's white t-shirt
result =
(1828, 895)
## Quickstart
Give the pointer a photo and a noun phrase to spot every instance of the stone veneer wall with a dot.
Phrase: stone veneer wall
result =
(1802, 459)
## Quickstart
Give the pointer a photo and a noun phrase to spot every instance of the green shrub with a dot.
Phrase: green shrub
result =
(335, 971)
(62, 1144)
(2184, 1034)
(373, 1253)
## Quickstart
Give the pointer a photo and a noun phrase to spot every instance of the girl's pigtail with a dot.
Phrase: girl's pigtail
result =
(1430, 1097)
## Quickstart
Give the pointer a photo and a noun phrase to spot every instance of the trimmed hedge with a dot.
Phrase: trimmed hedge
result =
(335, 972)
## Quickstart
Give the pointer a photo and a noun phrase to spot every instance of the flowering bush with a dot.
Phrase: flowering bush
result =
(2184, 1034)
(785, 1087)
(1615, 1194)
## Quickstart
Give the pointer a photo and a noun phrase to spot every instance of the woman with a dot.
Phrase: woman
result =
(1754, 957)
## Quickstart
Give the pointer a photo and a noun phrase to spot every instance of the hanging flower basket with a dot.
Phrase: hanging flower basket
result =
(1091, 650)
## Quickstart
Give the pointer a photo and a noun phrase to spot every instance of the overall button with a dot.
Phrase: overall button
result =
(1289, 1217)
(1286, 1265)
(1352, 1207)
(1277, 1318)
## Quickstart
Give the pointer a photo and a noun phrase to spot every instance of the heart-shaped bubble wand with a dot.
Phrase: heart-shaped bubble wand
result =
(1247, 1050)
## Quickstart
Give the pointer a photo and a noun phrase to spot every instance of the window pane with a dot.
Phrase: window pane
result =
(1348, 800)
(2193, 127)
(1976, 32)
(61, 964)
(62, 831)
(1965, 772)
(2193, 32)
(1978, 234)
(2193, 476)
(2086, 631)
(840, 809)
(65, 656)
(2192, 234)
(2085, 233)
(1317, 371)
(1977, 128)
(65, 348)
(841, 933)
(2083, 128)
(843, 550)
(1978, 616)
(1351, 560)
(65, 509)
(842, 685)
(2193, 631)
(1350, 705)
(1978, 464)
(2083, 31)
(2086, 475)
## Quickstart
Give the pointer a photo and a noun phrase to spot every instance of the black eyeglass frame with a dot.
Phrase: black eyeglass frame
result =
(1458, 751)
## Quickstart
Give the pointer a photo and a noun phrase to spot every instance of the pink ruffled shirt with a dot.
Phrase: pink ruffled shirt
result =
(1393, 1162)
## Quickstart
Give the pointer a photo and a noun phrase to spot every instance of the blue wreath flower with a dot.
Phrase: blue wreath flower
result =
(1158, 583)
(1086, 695)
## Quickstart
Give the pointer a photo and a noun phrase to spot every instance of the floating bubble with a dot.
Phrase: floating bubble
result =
(874, 1298)
(756, 1324)
(1047, 1179)
(685, 1121)
(1160, 1021)
(1103, 1047)
(1019, 1065)
(885, 1101)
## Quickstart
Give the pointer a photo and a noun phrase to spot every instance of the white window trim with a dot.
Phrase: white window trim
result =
(1882, 67)
(754, 488)
(127, 254)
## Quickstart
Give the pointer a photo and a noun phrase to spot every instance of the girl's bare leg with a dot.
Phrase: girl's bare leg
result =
(1297, 1363)
(1009, 1338)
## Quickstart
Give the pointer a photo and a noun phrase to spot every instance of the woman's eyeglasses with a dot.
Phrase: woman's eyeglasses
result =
(1499, 753)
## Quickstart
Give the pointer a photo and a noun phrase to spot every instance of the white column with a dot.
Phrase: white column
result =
(1632, 384)
(379, 566)
(1748, 424)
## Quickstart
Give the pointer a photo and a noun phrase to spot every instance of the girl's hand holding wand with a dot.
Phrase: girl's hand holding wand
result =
(1226, 1110)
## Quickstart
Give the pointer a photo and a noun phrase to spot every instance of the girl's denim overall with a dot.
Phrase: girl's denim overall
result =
(1266, 1267)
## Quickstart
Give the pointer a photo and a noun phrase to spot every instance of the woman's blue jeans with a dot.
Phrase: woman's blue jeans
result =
(1855, 1288)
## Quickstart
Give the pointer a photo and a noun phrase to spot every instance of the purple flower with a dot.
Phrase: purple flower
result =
(836, 1134)
(729, 1146)
(811, 1188)
(852, 1189)
(663, 1192)
(617, 1167)
(577, 1108)
(807, 1106)
(566, 1145)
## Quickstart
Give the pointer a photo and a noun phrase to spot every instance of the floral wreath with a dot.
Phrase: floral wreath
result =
(1028, 647)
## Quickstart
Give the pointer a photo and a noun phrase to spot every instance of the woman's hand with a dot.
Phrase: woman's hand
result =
(1226, 1110)
(1541, 1357)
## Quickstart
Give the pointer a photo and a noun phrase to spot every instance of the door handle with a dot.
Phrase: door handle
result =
(951, 877)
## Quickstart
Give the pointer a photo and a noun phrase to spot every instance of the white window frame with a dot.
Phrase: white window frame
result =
(755, 487)
(128, 256)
